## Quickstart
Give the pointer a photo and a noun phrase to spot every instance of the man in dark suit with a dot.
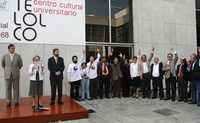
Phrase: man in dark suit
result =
(182, 75)
(195, 79)
(170, 75)
(56, 67)
(104, 78)
(157, 77)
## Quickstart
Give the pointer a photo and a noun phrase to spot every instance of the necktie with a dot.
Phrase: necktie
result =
(37, 75)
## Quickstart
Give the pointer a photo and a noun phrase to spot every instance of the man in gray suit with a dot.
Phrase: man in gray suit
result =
(12, 63)
(170, 75)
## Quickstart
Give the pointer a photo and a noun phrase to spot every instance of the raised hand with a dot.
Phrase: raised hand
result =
(120, 55)
(153, 49)
(173, 51)
(139, 52)
(98, 50)
(124, 56)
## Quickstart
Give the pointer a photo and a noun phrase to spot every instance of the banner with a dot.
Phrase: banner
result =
(42, 21)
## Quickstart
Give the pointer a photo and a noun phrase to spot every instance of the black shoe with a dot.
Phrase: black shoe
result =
(40, 106)
(161, 98)
(17, 104)
(154, 97)
(107, 97)
(60, 103)
(167, 99)
(180, 100)
(9, 104)
(52, 103)
(191, 103)
(33, 107)
(173, 100)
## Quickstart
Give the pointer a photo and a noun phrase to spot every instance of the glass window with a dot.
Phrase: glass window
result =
(198, 4)
(97, 20)
(121, 21)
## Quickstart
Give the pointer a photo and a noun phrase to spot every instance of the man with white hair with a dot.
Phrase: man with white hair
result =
(195, 79)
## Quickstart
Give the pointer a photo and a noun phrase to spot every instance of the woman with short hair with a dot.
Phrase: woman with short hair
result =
(36, 74)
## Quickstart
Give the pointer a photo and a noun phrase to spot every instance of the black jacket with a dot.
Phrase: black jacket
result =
(185, 71)
(125, 68)
(161, 72)
(53, 68)
(195, 72)
(99, 70)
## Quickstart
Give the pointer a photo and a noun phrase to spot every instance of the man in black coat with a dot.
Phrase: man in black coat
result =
(157, 78)
(56, 67)
(104, 72)
(182, 78)
(195, 79)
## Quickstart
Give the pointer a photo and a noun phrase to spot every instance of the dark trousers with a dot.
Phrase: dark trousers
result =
(189, 94)
(157, 83)
(116, 88)
(93, 88)
(74, 89)
(125, 86)
(56, 85)
(146, 85)
(104, 86)
(196, 92)
(182, 90)
(171, 88)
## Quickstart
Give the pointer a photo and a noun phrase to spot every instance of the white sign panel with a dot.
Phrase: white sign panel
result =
(42, 21)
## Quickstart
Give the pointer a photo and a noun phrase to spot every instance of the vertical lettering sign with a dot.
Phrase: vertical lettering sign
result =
(32, 35)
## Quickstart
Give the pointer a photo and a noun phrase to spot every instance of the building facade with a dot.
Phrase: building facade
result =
(129, 25)
(121, 26)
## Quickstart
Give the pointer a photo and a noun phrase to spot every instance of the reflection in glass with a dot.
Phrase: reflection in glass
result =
(121, 21)
(97, 27)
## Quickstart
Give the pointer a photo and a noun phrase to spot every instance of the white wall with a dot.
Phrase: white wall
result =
(165, 24)
(27, 51)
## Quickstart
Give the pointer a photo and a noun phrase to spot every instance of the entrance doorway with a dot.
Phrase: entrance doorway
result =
(106, 50)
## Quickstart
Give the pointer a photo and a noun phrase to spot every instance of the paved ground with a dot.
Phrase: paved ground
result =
(129, 110)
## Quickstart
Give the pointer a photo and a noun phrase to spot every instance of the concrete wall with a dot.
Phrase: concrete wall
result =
(27, 51)
(165, 24)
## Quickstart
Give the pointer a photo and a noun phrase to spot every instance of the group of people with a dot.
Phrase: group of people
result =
(12, 63)
(107, 77)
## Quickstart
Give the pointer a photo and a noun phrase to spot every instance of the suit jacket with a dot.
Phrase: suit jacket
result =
(56, 67)
(185, 71)
(116, 73)
(13, 66)
(160, 70)
(170, 69)
(195, 71)
(99, 70)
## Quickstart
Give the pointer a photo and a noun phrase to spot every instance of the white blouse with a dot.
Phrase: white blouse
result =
(134, 70)
(92, 67)
(32, 72)
(145, 67)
